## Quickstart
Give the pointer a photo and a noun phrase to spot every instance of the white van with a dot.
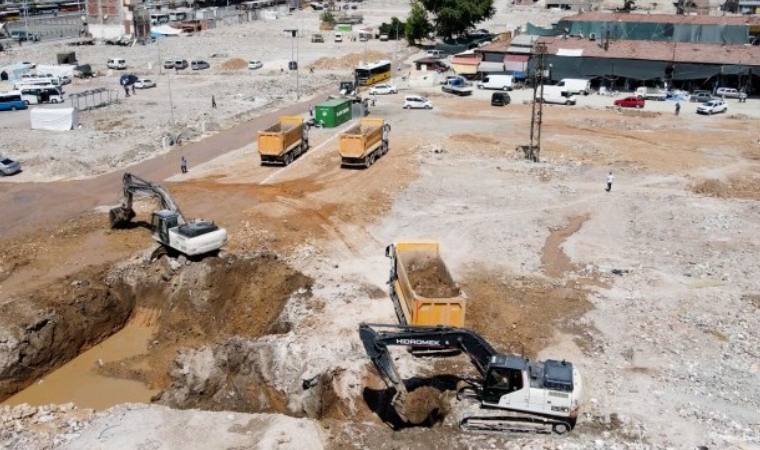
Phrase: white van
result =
(575, 85)
(338, 37)
(117, 63)
(502, 82)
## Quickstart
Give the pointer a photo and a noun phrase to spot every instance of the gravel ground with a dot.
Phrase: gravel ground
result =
(667, 350)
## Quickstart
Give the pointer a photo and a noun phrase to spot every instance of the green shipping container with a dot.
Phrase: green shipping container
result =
(344, 28)
(333, 113)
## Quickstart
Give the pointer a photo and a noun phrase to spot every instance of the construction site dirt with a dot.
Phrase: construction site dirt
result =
(644, 288)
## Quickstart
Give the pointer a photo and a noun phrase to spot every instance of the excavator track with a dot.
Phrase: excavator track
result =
(501, 421)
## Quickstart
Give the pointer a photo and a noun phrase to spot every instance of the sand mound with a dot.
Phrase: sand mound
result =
(349, 61)
(235, 64)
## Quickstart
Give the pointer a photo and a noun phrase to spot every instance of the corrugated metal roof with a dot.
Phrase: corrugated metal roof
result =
(664, 18)
(494, 47)
(524, 40)
(659, 51)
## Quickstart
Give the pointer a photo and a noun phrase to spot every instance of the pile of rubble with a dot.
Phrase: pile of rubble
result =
(41, 427)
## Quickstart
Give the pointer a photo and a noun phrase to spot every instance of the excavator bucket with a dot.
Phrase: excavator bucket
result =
(121, 216)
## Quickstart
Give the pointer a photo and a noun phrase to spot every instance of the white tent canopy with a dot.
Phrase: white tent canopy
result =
(54, 119)
(59, 70)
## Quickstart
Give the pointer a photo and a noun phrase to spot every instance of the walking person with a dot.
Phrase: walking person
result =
(133, 89)
(213, 102)
(610, 179)
(311, 111)
(126, 90)
(183, 164)
(678, 108)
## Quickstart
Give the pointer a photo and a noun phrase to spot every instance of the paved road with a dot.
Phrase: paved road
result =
(26, 206)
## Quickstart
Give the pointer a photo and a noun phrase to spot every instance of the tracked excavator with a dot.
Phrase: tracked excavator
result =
(512, 393)
(167, 225)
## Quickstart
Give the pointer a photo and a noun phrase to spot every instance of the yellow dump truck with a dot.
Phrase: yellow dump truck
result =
(284, 141)
(421, 286)
(364, 143)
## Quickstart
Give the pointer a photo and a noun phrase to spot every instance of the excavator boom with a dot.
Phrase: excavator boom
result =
(376, 344)
(133, 185)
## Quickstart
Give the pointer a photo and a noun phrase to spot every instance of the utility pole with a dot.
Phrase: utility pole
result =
(533, 151)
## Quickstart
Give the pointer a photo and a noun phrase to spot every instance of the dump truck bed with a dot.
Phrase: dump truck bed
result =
(361, 139)
(281, 137)
(425, 293)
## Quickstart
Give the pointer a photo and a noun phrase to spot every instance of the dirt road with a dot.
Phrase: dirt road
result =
(29, 206)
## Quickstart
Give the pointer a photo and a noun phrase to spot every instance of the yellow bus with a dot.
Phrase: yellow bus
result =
(373, 73)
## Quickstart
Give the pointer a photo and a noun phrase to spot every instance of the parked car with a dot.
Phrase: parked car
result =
(117, 63)
(198, 64)
(632, 101)
(417, 102)
(700, 97)
(712, 107)
(9, 167)
(65, 79)
(435, 54)
(180, 64)
(317, 38)
(339, 36)
(169, 64)
(255, 64)
(727, 93)
(551, 98)
(382, 89)
(144, 83)
(500, 99)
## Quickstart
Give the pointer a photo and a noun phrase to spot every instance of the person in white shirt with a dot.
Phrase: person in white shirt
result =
(610, 179)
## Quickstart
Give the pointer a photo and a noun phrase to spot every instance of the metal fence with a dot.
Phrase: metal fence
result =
(49, 28)
(94, 98)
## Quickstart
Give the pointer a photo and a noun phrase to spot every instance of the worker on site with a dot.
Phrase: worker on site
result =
(610, 179)
(183, 164)
(213, 102)
(678, 108)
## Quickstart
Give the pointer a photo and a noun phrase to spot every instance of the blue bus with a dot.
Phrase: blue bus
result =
(11, 101)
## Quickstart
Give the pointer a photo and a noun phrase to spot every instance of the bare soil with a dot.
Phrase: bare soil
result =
(430, 279)
(423, 405)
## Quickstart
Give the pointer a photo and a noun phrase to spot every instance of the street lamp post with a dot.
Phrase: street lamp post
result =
(168, 81)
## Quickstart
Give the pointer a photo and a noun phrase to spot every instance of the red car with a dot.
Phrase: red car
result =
(630, 102)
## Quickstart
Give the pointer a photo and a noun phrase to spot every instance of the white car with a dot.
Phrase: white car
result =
(712, 107)
(417, 102)
(551, 99)
(144, 83)
(255, 64)
(382, 89)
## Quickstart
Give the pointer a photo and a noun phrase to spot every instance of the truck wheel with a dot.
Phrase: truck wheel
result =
(288, 159)
(561, 428)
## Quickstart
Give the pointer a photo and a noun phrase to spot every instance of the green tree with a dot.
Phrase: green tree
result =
(417, 24)
(393, 29)
(327, 17)
(456, 17)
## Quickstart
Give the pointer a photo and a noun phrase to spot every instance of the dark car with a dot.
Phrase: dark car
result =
(630, 102)
(701, 97)
(500, 99)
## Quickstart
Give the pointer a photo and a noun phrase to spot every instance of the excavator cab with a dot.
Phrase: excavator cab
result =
(160, 224)
(501, 381)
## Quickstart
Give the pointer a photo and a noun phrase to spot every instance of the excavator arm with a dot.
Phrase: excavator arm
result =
(133, 185)
(376, 339)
